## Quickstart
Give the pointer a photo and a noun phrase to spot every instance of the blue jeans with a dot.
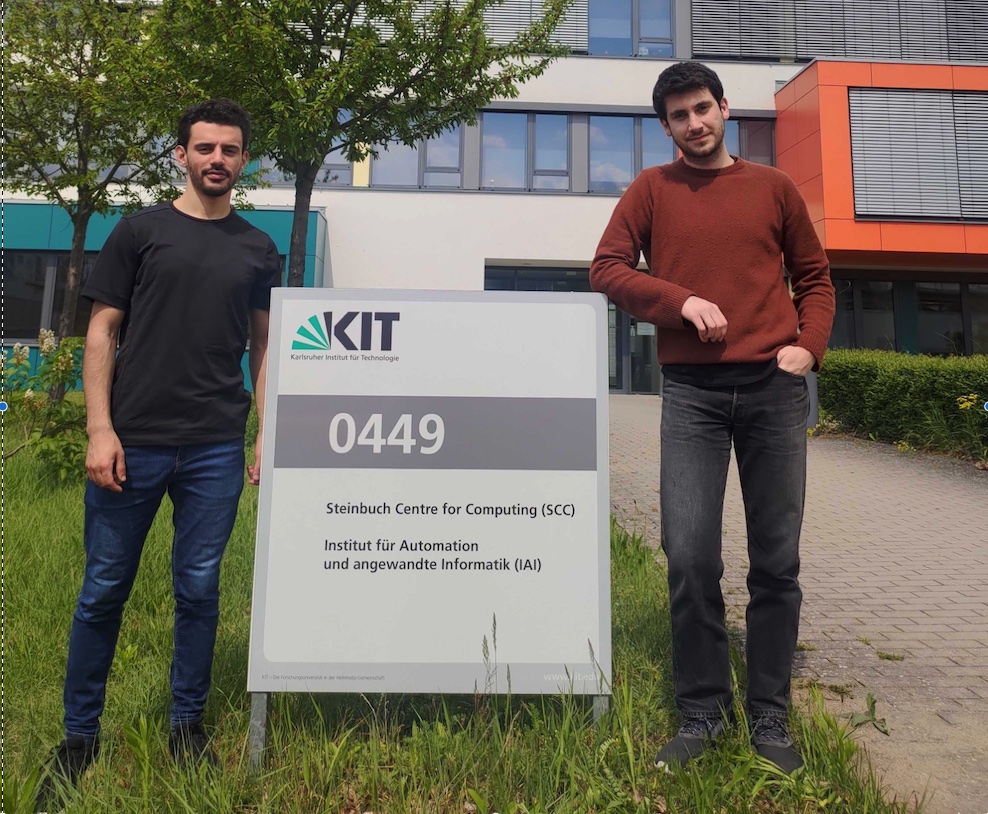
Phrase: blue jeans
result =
(767, 422)
(204, 482)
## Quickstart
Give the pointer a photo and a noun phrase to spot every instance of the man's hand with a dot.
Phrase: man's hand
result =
(710, 323)
(105, 460)
(254, 472)
(795, 360)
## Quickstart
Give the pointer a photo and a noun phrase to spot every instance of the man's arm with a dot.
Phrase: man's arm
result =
(258, 360)
(105, 464)
(813, 291)
(614, 272)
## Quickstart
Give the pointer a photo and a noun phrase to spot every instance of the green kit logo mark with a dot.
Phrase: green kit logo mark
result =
(311, 335)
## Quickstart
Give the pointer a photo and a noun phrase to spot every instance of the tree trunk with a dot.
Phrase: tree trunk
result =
(80, 224)
(305, 179)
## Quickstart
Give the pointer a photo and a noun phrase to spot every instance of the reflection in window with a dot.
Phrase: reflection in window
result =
(23, 295)
(334, 172)
(32, 279)
(84, 307)
(612, 153)
(434, 162)
(610, 27)
(613, 33)
(654, 28)
(759, 143)
(504, 150)
(622, 146)
(941, 327)
(977, 297)
(732, 138)
(657, 147)
(877, 316)
(551, 152)
(442, 159)
(842, 335)
(525, 151)
(396, 165)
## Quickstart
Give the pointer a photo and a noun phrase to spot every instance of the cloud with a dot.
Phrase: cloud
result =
(609, 173)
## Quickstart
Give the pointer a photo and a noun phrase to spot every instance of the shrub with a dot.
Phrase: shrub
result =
(39, 415)
(929, 401)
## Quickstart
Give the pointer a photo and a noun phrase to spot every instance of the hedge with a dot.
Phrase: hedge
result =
(899, 397)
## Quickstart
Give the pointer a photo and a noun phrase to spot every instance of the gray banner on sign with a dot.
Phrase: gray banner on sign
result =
(551, 434)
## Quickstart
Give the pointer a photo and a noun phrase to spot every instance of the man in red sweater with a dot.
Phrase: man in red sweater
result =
(718, 234)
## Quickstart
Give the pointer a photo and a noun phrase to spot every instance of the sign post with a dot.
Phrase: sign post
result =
(433, 512)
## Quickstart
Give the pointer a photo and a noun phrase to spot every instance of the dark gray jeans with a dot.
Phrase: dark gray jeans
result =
(767, 422)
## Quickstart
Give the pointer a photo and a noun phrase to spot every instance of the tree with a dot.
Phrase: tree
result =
(80, 124)
(325, 76)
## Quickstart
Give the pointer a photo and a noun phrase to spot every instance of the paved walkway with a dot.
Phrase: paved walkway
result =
(894, 562)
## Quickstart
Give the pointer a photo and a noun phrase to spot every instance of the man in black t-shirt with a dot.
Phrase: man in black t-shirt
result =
(174, 290)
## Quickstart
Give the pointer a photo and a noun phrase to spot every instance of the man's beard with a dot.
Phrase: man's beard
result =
(214, 190)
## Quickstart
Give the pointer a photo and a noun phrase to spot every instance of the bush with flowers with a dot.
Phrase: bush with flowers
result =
(927, 402)
(39, 416)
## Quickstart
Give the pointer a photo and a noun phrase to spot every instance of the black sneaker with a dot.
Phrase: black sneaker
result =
(771, 739)
(68, 762)
(189, 745)
(694, 737)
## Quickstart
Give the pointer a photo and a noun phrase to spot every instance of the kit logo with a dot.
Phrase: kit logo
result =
(320, 334)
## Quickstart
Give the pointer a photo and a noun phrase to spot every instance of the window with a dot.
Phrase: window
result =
(631, 28)
(904, 169)
(612, 153)
(434, 162)
(335, 172)
(977, 298)
(24, 289)
(526, 151)
(622, 146)
(84, 307)
(396, 165)
(34, 293)
(758, 138)
(877, 316)
(842, 335)
(940, 328)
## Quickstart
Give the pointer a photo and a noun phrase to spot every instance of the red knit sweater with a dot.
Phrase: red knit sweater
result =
(721, 235)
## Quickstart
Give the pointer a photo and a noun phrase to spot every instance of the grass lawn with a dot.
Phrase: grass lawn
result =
(382, 754)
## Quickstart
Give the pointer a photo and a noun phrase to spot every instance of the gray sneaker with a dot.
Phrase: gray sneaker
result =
(771, 739)
(695, 735)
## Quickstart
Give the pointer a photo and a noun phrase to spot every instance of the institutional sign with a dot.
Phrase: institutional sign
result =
(433, 510)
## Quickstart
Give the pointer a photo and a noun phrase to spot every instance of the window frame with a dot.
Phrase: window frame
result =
(423, 167)
(531, 171)
(635, 34)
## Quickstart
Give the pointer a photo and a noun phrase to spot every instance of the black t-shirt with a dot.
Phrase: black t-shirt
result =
(724, 375)
(187, 286)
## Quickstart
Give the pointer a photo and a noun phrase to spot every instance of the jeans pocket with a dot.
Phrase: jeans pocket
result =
(795, 376)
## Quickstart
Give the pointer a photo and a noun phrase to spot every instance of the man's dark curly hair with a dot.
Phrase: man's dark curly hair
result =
(215, 111)
(683, 77)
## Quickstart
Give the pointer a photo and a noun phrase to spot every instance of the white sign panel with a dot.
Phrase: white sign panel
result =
(434, 508)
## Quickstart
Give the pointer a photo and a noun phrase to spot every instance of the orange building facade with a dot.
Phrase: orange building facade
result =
(892, 160)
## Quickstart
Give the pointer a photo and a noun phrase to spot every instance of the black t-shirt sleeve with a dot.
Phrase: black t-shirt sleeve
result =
(115, 270)
(270, 276)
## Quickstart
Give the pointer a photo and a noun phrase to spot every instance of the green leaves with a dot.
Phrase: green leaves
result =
(402, 69)
(857, 719)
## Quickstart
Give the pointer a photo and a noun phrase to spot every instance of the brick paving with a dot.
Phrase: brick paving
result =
(894, 561)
